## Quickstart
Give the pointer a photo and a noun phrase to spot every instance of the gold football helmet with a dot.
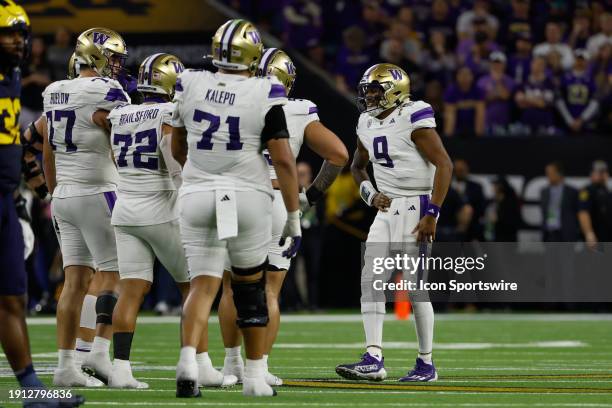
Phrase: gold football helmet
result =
(13, 18)
(103, 50)
(392, 84)
(158, 73)
(237, 46)
(74, 66)
(276, 62)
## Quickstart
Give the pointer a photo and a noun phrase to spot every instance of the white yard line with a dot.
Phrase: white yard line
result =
(438, 346)
(349, 318)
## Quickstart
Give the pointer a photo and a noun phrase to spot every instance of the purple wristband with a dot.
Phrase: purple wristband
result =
(432, 210)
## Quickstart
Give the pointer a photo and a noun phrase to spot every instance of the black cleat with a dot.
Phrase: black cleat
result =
(92, 372)
(187, 389)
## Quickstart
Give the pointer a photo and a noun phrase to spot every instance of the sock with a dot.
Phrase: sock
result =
(232, 351)
(375, 351)
(82, 345)
(100, 345)
(88, 312)
(424, 324)
(426, 358)
(188, 355)
(65, 358)
(122, 364)
(203, 359)
(265, 361)
(27, 378)
(373, 316)
(122, 345)
(254, 368)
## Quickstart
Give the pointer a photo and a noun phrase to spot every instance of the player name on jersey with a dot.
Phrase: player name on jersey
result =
(58, 98)
(217, 96)
(139, 116)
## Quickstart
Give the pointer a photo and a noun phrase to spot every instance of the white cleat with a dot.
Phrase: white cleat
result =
(73, 377)
(234, 366)
(257, 387)
(80, 357)
(98, 365)
(272, 380)
(208, 376)
(121, 377)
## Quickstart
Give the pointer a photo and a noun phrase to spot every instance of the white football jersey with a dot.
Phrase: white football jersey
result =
(145, 195)
(82, 150)
(298, 113)
(399, 168)
(224, 116)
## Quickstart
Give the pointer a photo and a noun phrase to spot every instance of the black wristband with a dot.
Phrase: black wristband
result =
(42, 191)
(313, 194)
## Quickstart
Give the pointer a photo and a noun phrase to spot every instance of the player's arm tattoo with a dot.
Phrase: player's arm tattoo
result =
(321, 183)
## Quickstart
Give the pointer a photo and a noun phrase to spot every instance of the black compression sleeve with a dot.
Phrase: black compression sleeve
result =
(275, 126)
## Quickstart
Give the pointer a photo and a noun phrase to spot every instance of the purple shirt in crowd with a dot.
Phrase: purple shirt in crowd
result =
(465, 102)
(537, 118)
(518, 68)
(498, 110)
(578, 90)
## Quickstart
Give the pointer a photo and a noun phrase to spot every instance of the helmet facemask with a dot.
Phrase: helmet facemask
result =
(12, 54)
(371, 97)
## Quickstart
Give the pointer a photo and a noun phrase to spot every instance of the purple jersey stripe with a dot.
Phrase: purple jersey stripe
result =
(115, 94)
(110, 197)
(312, 109)
(277, 91)
(422, 114)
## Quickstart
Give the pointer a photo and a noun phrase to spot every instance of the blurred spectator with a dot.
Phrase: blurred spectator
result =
(455, 218)
(535, 100)
(374, 22)
(559, 206)
(470, 192)
(595, 215)
(352, 59)
(474, 52)
(554, 44)
(576, 103)
(581, 30)
(517, 22)
(480, 10)
(408, 38)
(464, 112)
(35, 78)
(441, 20)
(302, 23)
(520, 61)
(438, 61)
(497, 88)
(412, 40)
(506, 211)
(604, 37)
(59, 53)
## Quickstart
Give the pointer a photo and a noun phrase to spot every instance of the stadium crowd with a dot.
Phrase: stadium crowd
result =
(488, 67)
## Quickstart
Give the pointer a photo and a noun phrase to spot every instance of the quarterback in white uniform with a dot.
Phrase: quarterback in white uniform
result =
(303, 125)
(77, 155)
(221, 123)
(413, 173)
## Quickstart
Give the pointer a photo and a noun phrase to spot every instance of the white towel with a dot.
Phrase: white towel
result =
(227, 215)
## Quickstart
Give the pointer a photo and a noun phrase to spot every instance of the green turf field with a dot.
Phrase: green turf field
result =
(495, 360)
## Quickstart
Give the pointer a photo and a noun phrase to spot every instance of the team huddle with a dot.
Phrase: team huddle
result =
(201, 175)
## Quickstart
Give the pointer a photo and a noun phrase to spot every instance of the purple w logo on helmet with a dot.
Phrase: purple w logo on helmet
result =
(100, 38)
(396, 74)
(255, 37)
(178, 67)
(290, 67)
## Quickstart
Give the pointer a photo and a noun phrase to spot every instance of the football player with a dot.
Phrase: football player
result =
(413, 173)
(221, 123)
(303, 125)
(83, 180)
(14, 35)
(146, 215)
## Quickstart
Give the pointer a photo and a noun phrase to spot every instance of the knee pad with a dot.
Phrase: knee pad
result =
(250, 302)
(105, 304)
